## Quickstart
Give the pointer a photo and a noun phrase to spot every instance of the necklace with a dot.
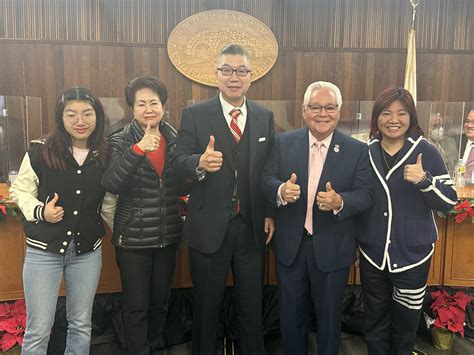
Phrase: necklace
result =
(391, 159)
(385, 159)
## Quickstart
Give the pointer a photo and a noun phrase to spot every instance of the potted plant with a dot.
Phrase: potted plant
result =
(12, 326)
(449, 313)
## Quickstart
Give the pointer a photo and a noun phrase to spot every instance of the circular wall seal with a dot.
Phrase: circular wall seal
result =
(195, 42)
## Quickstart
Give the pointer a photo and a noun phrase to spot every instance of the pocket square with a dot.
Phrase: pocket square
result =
(262, 139)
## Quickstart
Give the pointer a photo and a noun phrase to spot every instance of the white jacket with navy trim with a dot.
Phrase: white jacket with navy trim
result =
(399, 231)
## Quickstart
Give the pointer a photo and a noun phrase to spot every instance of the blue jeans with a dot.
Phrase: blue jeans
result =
(42, 274)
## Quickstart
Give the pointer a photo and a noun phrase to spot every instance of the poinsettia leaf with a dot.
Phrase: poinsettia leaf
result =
(8, 341)
(4, 309)
(456, 328)
(457, 312)
(14, 325)
(460, 217)
(439, 324)
(444, 314)
(19, 307)
(462, 299)
(438, 303)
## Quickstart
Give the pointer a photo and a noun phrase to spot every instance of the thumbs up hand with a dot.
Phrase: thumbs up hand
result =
(329, 199)
(290, 191)
(150, 140)
(210, 160)
(53, 213)
(414, 173)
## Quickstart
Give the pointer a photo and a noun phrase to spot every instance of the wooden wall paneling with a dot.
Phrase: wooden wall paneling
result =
(369, 77)
(111, 74)
(34, 119)
(11, 69)
(77, 66)
(16, 131)
(459, 259)
(441, 24)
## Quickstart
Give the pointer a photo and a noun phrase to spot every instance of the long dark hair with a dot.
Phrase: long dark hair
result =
(59, 142)
(385, 99)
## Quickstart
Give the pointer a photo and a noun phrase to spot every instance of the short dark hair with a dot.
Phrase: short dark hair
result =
(142, 82)
(385, 99)
(59, 141)
(234, 49)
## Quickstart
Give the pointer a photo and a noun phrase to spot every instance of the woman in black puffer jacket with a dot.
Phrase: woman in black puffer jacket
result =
(147, 224)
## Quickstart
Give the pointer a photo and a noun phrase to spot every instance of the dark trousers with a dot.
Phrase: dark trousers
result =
(209, 273)
(300, 284)
(146, 275)
(393, 304)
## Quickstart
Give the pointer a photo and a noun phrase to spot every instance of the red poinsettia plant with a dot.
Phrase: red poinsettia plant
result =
(12, 324)
(7, 208)
(450, 310)
(464, 209)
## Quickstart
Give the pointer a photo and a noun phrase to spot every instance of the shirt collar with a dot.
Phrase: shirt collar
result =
(226, 107)
(326, 141)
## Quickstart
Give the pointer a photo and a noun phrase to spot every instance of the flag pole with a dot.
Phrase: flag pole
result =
(410, 68)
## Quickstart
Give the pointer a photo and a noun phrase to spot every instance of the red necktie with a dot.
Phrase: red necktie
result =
(234, 127)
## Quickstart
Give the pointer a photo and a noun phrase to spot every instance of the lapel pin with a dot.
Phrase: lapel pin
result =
(336, 148)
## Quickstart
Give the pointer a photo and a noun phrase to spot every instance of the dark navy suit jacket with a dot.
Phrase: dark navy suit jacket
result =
(348, 169)
(210, 201)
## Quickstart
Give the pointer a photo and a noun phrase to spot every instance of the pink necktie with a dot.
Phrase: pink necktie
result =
(314, 174)
(470, 164)
(234, 127)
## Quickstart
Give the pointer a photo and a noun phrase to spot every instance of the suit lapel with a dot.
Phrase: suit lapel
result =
(301, 154)
(220, 130)
(333, 159)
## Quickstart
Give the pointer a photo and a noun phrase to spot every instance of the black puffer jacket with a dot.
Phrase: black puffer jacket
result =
(147, 214)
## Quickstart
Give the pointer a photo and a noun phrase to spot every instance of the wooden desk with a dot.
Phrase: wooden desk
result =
(452, 263)
(459, 258)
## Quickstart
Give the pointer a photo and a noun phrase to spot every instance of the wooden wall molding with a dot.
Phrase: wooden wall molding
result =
(441, 24)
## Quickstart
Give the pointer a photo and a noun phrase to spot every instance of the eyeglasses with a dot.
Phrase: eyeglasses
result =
(73, 118)
(242, 72)
(469, 123)
(319, 108)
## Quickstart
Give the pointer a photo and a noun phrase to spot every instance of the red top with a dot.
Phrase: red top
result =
(156, 157)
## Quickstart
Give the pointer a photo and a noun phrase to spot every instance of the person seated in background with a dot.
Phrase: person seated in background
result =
(445, 144)
(467, 147)
(59, 193)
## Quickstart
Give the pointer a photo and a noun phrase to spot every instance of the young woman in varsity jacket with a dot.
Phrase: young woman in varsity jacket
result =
(147, 225)
(59, 193)
(397, 235)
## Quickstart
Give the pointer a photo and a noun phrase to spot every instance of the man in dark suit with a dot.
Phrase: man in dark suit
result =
(222, 145)
(319, 178)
